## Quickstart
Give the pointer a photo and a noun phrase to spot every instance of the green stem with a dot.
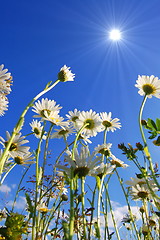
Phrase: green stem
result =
(146, 150)
(5, 175)
(83, 206)
(20, 123)
(99, 204)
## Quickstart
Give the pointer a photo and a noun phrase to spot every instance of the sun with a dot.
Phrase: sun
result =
(115, 34)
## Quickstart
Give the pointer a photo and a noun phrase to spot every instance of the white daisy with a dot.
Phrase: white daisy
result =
(63, 132)
(3, 104)
(37, 129)
(55, 119)
(23, 159)
(45, 107)
(148, 85)
(85, 138)
(92, 119)
(83, 163)
(140, 192)
(15, 148)
(5, 80)
(108, 123)
(141, 182)
(117, 162)
(102, 169)
(65, 74)
(73, 115)
(42, 208)
(104, 149)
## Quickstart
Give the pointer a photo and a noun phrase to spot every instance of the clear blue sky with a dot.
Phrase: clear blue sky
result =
(39, 37)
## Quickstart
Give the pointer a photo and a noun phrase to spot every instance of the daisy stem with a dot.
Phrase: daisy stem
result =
(104, 141)
(83, 206)
(99, 203)
(5, 175)
(71, 222)
(20, 123)
(146, 150)
(111, 211)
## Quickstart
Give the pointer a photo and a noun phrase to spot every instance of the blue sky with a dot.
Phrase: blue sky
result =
(39, 37)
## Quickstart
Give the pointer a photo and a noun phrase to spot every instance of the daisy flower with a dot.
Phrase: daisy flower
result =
(140, 192)
(83, 163)
(108, 123)
(5, 80)
(93, 121)
(37, 129)
(65, 74)
(117, 162)
(3, 104)
(73, 116)
(104, 149)
(55, 119)
(148, 85)
(45, 107)
(15, 148)
(84, 138)
(62, 132)
(42, 208)
(141, 182)
(23, 159)
(102, 169)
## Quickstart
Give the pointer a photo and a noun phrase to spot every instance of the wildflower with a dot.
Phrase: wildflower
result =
(148, 85)
(102, 169)
(117, 162)
(15, 148)
(65, 74)
(5, 80)
(104, 149)
(3, 104)
(108, 123)
(37, 129)
(23, 159)
(127, 218)
(62, 132)
(85, 138)
(83, 163)
(140, 192)
(55, 119)
(3, 214)
(91, 121)
(45, 107)
(145, 230)
(73, 116)
(42, 208)
(141, 182)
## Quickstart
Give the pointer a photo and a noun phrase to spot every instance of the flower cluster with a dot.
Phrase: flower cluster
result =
(5, 88)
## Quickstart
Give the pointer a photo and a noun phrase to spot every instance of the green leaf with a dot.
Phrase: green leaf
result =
(29, 202)
(151, 124)
(158, 124)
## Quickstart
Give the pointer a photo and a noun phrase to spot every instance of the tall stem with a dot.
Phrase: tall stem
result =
(20, 123)
(83, 206)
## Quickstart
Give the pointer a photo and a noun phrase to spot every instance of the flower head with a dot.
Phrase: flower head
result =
(104, 149)
(82, 164)
(45, 107)
(15, 148)
(102, 169)
(5, 80)
(42, 208)
(3, 104)
(108, 123)
(148, 85)
(65, 74)
(117, 162)
(91, 122)
(37, 129)
(62, 132)
(140, 192)
(23, 159)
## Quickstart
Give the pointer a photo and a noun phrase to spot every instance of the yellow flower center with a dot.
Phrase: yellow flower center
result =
(63, 132)
(90, 123)
(44, 111)
(43, 210)
(13, 146)
(107, 124)
(36, 131)
(142, 194)
(74, 118)
(81, 171)
(18, 160)
(149, 89)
